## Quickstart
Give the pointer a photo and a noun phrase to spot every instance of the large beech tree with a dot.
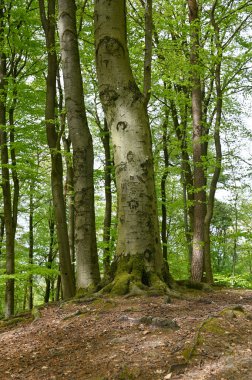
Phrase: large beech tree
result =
(139, 261)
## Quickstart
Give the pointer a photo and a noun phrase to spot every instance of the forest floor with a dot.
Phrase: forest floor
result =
(205, 335)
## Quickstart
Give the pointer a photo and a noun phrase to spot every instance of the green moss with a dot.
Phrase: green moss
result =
(87, 292)
(124, 265)
(157, 284)
(188, 353)
(234, 312)
(121, 284)
(126, 374)
(137, 266)
(212, 326)
(196, 285)
(133, 277)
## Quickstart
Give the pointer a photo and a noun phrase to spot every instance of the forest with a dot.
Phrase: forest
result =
(125, 133)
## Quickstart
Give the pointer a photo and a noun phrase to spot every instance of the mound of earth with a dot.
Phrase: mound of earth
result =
(203, 336)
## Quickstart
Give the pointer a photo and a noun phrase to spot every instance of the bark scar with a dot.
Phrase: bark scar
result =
(133, 204)
(121, 125)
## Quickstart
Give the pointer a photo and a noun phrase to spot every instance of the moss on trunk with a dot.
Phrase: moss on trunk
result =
(132, 275)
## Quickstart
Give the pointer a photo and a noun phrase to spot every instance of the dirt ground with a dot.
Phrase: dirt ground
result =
(203, 336)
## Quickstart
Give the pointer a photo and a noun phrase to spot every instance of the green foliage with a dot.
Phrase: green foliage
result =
(231, 227)
(237, 281)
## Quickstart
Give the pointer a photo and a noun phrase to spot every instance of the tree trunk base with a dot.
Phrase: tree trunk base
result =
(133, 275)
(197, 285)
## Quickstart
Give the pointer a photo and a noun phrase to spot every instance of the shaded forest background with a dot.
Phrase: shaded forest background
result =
(224, 68)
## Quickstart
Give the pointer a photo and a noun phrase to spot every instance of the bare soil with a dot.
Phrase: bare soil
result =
(202, 336)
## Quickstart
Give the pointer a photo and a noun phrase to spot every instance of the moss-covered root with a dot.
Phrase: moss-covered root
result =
(190, 284)
(136, 282)
(132, 275)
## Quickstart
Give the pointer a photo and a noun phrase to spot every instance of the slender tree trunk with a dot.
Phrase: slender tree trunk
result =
(199, 177)
(2, 230)
(69, 194)
(108, 200)
(87, 268)
(147, 51)
(218, 159)
(53, 138)
(234, 253)
(31, 243)
(58, 289)
(186, 176)
(69, 184)
(7, 201)
(164, 234)
(50, 257)
(138, 253)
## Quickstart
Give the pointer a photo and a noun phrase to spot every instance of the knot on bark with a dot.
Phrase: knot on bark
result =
(108, 96)
(121, 126)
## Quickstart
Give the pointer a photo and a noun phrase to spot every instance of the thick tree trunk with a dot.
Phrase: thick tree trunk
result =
(138, 252)
(87, 269)
(53, 138)
(198, 151)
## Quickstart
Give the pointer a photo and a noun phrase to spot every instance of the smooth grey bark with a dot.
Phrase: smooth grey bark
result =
(138, 251)
(87, 268)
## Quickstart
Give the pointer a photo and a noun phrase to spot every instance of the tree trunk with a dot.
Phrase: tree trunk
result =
(2, 230)
(69, 195)
(87, 268)
(69, 183)
(139, 259)
(164, 233)
(53, 138)
(31, 244)
(108, 200)
(218, 159)
(50, 256)
(198, 150)
(186, 175)
(7, 201)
